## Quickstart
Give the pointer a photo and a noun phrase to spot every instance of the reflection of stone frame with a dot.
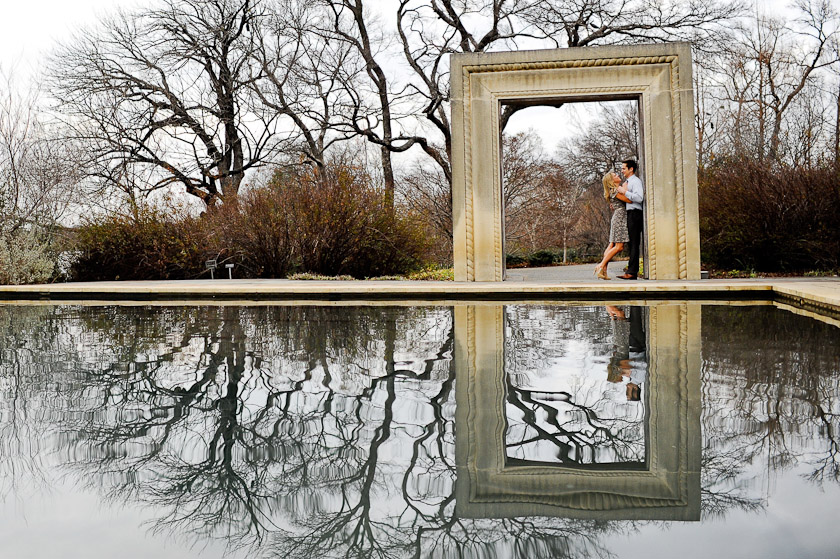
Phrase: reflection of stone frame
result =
(659, 76)
(669, 489)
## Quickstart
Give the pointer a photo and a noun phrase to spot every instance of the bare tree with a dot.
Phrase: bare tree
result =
(709, 120)
(303, 76)
(371, 112)
(524, 166)
(430, 30)
(606, 141)
(385, 110)
(162, 93)
(425, 190)
(765, 72)
(834, 83)
(566, 199)
(38, 179)
(580, 23)
(37, 170)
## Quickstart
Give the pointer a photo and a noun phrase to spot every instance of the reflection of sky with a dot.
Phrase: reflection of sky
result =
(64, 521)
(783, 530)
(562, 355)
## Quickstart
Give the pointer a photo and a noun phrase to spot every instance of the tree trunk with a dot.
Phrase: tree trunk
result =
(837, 130)
(388, 177)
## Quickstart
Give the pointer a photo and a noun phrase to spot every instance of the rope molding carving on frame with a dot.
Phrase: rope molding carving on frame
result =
(684, 394)
(653, 372)
(572, 91)
(559, 64)
(468, 201)
(651, 205)
(676, 118)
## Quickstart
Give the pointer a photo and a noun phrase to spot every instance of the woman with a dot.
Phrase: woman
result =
(618, 223)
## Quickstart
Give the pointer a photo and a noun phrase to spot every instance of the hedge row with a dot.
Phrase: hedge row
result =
(330, 222)
(769, 218)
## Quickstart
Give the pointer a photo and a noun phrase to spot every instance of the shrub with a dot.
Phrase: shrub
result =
(150, 246)
(341, 225)
(255, 234)
(333, 222)
(24, 258)
(769, 219)
(514, 261)
(542, 258)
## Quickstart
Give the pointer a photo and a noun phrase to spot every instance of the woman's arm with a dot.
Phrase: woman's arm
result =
(622, 197)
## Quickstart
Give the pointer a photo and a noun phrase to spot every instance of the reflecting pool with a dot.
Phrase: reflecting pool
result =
(475, 430)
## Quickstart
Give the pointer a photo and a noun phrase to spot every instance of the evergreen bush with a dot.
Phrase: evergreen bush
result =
(24, 258)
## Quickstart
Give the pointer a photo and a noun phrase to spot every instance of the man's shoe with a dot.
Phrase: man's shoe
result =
(627, 277)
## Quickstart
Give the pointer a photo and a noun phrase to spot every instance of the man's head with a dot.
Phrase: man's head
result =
(628, 167)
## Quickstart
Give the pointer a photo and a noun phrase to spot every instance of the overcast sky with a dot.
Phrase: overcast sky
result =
(30, 28)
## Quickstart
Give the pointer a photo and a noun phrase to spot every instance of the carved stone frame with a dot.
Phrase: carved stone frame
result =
(658, 76)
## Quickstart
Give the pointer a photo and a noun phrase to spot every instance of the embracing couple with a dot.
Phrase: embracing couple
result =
(625, 199)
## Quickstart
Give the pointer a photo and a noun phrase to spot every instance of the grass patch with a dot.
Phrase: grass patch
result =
(426, 274)
(433, 274)
(318, 277)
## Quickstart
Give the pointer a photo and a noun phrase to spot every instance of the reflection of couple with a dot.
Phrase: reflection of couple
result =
(629, 362)
(626, 225)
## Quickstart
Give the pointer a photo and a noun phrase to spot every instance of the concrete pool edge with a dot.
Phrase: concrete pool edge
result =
(822, 295)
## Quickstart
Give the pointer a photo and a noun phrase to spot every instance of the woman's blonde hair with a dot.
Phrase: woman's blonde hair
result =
(608, 185)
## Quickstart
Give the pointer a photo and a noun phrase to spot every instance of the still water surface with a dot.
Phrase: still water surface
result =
(320, 431)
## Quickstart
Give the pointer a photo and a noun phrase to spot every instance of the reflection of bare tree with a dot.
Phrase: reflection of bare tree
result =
(557, 326)
(225, 445)
(318, 431)
(721, 484)
(147, 430)
(826, 467)
(766, 410)
(578, 435)
(21, 428)
(576, 419)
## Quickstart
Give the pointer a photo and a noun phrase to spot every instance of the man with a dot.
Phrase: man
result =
(637, 356)
(634, 190)
(633, 364)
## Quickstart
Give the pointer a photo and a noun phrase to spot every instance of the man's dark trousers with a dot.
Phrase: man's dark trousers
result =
(634, 230)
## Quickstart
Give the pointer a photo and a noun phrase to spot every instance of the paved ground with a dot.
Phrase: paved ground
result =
(575, 272)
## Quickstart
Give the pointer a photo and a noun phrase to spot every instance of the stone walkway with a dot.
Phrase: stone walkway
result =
(574, 272)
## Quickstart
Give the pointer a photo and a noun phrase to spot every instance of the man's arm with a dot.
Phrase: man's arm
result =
(635, 190)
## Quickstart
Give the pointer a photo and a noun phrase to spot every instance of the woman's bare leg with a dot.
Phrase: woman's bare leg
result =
(609, 254)
(605, 259)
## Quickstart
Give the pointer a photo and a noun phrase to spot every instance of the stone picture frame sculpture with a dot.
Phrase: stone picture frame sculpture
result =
(657, 76)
